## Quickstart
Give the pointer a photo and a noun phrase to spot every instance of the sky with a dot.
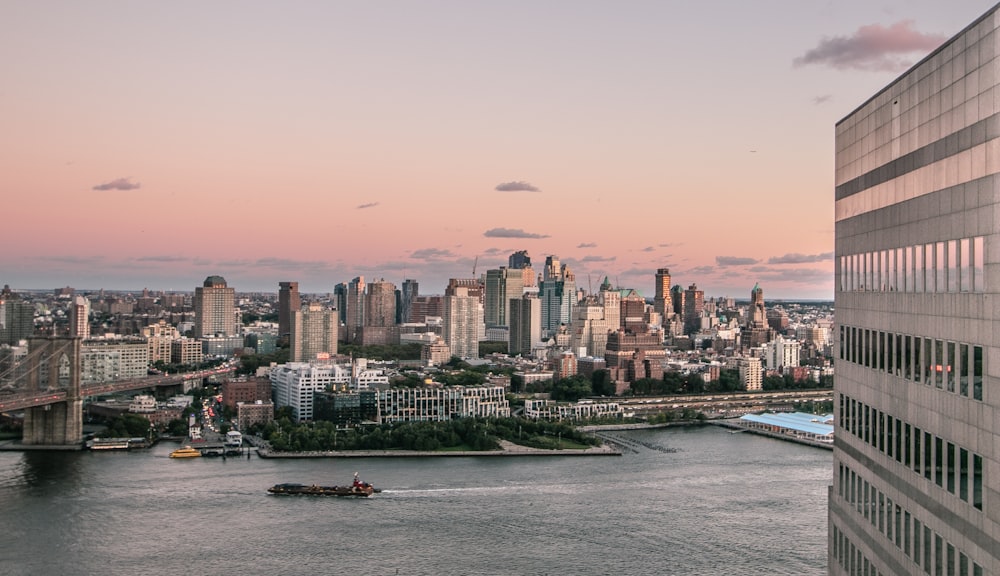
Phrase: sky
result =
(150, 145)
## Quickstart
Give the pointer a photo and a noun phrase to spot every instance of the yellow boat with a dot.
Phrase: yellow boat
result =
(186, 452)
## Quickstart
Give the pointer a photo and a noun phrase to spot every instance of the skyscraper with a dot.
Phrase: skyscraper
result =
(558, 294)
(17, 318)
(288, 303)
(662, 303)
(314, 331)
(214, 308)
(463, 322)
(758, 332)
(917, 174)
(354, 305)
(502, 285)
(79, 317)
(380, 304)
(407, 294)
(525, 325)
(694, 308)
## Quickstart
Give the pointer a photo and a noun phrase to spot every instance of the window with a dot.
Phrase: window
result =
(951, 251)
(978, 280)
(964, 272)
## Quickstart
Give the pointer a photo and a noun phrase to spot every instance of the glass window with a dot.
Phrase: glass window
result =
(928, 464)
(916, 541)
(977, 481)
(918, 358)
(964, 272)
(918, 268)
(929, 270)
(963, 369)
(949, 366)
(927, 550)
(963, 474)
(908, 269)
(977, 372)
(908, 357)
(939, 461)
(939, 268)
(950, 468)
(952, 255)
(916, 450)
(906, 533)
(978, 257)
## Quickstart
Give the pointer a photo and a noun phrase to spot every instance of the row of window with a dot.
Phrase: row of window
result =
(952, 366)
(952, 467)
(850, 557)
(947, 266)
(918, 542)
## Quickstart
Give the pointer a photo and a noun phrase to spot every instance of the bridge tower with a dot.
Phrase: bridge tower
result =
(54, 364)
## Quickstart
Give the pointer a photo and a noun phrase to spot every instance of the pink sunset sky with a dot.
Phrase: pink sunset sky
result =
(154, 144)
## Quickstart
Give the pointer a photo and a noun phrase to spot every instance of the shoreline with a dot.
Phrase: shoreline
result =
(507, 449)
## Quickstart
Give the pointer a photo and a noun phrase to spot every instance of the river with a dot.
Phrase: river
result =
(688, 501)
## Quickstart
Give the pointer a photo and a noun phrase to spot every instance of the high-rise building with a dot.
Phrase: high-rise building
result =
(463, 323)
(558, 295)
(916, 470)
(79, 317)
(519, 260)
(340, 298)
(677, 298)
(662, 302)
(288, 303)
(314, 330)
(380, 304)
(525, 325)
(473, 287)
(17, 318)
(407, 294)
(355, 307)
(694, 309)
(758, 331)
(214, 308)
(502, 285)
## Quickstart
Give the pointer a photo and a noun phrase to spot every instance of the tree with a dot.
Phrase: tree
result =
(601, 384)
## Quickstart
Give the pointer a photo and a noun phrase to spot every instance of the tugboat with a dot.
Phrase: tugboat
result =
(357, 489)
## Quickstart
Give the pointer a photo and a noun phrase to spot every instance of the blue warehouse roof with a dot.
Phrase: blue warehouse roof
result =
(820, 425)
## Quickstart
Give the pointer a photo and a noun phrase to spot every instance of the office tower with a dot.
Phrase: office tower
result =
(214, 308)
(288, 303)
(463, 322)
(611, 301)
(662, 303)
(558, 294)
(314, 331)
(409, 292)
(917, 183)
(525, 325)
(17, 318)
(79, 317)
(519, 260)
(473, 287)
(694, 308)
(424, 306)
(340, 297)
(502, 285)
(633, 310)
(354, 305)
(677, 298)
(758, 332)
(380, 304)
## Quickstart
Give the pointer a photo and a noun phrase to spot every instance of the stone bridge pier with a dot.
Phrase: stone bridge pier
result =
(54, 364)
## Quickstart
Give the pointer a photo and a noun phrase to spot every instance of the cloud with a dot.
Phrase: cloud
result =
(593, 258)
(162, 259)
(516, 186)
(431, 254)
(670, 244)
(587, 245)
(288, 264)
(872, 47)
(700, 271)
(368, 205)
(734, 261)
(511, 233)
(493, 251)
(821, 99)
(73, 259)
(796, 258)
(648, 249)
(118, 184)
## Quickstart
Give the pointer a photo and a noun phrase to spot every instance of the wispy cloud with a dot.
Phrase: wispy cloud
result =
(796, 258)
(288, 264)
(593, 258)
(516, 186)
(511, 233)
(734, 261)
(873, 47)
(648, 249)
(118, 184)
(368, 205)
(821, 99)
(165, 258)
(431, 254)
(73, 259)
(587, 245)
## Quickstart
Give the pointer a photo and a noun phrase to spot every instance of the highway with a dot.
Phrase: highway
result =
(725, 403)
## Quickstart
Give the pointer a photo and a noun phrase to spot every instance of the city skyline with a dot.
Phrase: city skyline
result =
(154, 146)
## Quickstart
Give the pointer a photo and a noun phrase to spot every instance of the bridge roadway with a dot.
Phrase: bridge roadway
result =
(14, 402)
(728, 403)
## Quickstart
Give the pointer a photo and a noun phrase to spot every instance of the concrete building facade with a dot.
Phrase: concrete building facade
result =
(916, 478)
(214, 308)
